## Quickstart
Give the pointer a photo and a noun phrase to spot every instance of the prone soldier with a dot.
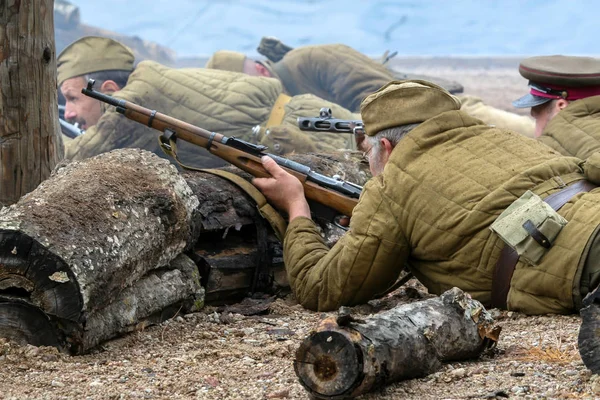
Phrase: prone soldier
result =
(463, 204)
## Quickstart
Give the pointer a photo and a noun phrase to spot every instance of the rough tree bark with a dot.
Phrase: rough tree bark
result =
(345, 358)
(81, 246)
(30, 143)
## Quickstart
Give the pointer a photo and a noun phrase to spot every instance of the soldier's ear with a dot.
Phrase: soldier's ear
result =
(561, 104)
(109, 87)
(262, 70)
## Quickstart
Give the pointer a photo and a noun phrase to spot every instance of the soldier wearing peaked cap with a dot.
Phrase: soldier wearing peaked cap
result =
(220, 101)
(450, 197)
(564, 98)
(344, 76)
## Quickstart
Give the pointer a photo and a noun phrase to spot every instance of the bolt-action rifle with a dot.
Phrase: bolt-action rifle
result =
(333, 193)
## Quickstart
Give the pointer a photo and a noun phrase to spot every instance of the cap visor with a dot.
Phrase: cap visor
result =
(530, 100)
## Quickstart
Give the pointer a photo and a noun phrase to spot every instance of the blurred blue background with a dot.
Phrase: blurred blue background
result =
(414, 28)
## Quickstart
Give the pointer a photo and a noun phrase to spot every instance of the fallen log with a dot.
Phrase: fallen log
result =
(345, 358)
(73, 247)
(96, 250)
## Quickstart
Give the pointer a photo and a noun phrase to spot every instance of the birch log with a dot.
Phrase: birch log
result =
(346, 358)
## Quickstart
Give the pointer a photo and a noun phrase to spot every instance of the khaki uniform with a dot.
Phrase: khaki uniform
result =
(334, 72)
(575, 130)
(220, 101)
(443, 186)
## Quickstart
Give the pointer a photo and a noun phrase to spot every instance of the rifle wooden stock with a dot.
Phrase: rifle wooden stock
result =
(246, 159)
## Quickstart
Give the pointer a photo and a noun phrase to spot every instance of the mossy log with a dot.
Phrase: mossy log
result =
(345, 358)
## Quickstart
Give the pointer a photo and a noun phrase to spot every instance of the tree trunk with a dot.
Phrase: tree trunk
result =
(348, 357)
(73, 247)
(30, 142)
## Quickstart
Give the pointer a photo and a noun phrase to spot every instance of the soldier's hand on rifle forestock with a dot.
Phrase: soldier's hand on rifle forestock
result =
(283, 190)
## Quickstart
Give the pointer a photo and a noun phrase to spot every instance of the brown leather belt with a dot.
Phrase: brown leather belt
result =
(505, 267)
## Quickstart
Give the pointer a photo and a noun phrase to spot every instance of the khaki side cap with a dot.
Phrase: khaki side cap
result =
(568, 71)
(227, 61)
(405, 102)
(92, 54)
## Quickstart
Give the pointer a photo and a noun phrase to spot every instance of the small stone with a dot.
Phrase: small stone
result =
(95, 383)
(280, 394)
(56, 383)
(248, 360)
(571, 372)
(458, 373)
(248, 331)
(179, 319)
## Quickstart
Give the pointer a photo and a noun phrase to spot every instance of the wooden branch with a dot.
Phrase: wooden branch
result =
(345, 358)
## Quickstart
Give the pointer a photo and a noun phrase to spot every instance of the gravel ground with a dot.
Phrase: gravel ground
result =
(222, 355)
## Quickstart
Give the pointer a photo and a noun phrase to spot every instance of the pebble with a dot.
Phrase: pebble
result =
(571, 372)
(96, 383)
(458, 373)
(248, 360)
(248, 331)
(56, 383)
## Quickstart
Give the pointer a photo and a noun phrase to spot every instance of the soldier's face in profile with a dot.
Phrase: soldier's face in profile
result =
(80, 108)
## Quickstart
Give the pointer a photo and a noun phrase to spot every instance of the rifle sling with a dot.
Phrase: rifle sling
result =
(278, 110)
(507, 262)
(264, 208)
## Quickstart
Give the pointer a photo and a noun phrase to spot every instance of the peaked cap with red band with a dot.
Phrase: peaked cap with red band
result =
(559, 77)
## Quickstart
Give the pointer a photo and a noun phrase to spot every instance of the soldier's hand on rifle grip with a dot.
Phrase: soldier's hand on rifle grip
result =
(283, 190)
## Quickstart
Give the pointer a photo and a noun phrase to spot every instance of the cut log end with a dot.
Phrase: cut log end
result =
(30, 273)
(329, 365)
(589, 337)
(24, 324)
